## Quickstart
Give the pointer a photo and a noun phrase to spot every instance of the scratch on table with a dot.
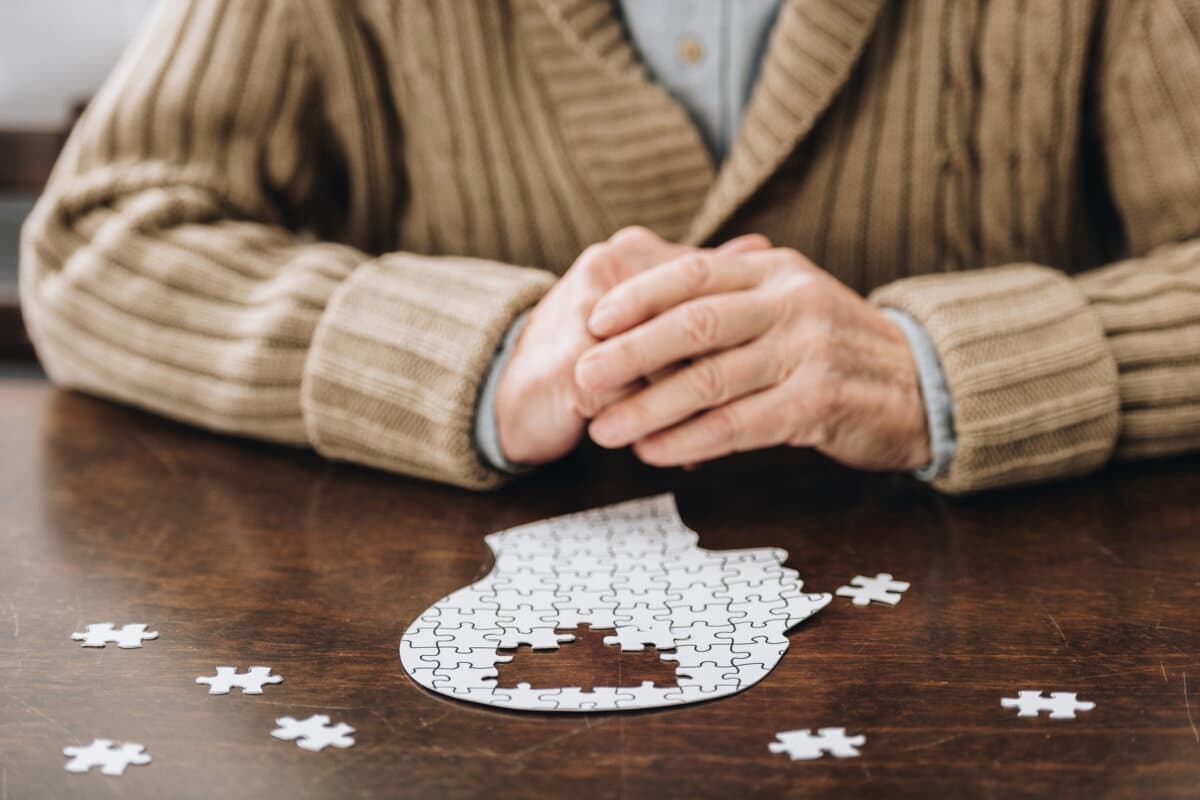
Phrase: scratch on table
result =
(306, 705)
(423, 724)
(161, 454)
(36, 711)
(1058, 628)
(1188, 707)
(374, 712)
(1164, 671)
(520, 754)
(934, 743)
(1158, 626)
(1113, 557)
(1115, 672)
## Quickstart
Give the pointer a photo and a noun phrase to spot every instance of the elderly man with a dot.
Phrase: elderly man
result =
(303, 221)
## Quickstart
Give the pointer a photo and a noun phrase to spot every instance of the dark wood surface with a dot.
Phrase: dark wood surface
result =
(247, 554)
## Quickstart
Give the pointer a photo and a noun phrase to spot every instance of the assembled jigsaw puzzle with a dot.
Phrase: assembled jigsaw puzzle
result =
(633, 567)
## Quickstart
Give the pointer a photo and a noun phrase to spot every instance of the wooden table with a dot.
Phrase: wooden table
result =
(244, 554)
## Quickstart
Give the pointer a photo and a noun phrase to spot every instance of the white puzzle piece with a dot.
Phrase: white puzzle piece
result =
(880, 589)
(251, 682)
(101, 633)
(804, 745)
(1061, 705)
(314, 733)
(111, 759)
(632, 567)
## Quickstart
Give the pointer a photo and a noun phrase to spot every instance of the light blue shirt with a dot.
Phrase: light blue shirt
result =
(706, 54)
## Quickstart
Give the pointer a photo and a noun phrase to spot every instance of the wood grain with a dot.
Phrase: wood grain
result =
(239, 553)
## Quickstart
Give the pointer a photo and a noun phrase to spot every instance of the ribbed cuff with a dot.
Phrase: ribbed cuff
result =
(1150, 310)
(1028, 368)
(396, 362)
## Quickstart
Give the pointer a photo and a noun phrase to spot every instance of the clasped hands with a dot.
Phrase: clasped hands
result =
(690, 354)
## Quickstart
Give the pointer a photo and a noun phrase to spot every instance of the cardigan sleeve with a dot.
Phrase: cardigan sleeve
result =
(184, 259)
(1052, 375)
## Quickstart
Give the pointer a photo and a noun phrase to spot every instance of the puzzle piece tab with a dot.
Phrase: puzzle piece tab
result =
(100, 634)
(880, 589)
(251, 682)
(804, 745)
(314, 733)
(102, 753)
(1061, 705)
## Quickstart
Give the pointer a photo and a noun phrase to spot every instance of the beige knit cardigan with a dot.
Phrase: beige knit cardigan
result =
(299, 220)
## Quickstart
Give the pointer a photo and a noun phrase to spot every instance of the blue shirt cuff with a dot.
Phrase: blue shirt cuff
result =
(939, 408)
(487, 428)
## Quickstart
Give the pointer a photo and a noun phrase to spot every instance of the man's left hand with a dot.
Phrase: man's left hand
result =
(748, 351)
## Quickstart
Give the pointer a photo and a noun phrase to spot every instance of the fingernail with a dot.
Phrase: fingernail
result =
(602, 319)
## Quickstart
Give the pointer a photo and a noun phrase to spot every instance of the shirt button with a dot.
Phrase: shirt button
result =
(691, 51)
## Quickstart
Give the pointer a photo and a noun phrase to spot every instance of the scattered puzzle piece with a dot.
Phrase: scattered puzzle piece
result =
(249, 682)
(634, 568)
(881, 589)
(1061, 705)
(101, 633)
(803, 745)
(314, 733)
(102, 753)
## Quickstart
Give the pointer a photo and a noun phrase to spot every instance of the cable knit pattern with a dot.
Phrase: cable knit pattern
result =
(311, 221)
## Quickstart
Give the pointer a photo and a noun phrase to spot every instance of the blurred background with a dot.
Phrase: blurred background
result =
(54, 54)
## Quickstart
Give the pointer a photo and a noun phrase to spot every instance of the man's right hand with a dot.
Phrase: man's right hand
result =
(540, 411)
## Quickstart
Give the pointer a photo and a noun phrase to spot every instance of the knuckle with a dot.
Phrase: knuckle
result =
(634, 235)
(800, 297)
(597, 262)
(707, 381)
(694, 270)
(791, 259)
(701, 324)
